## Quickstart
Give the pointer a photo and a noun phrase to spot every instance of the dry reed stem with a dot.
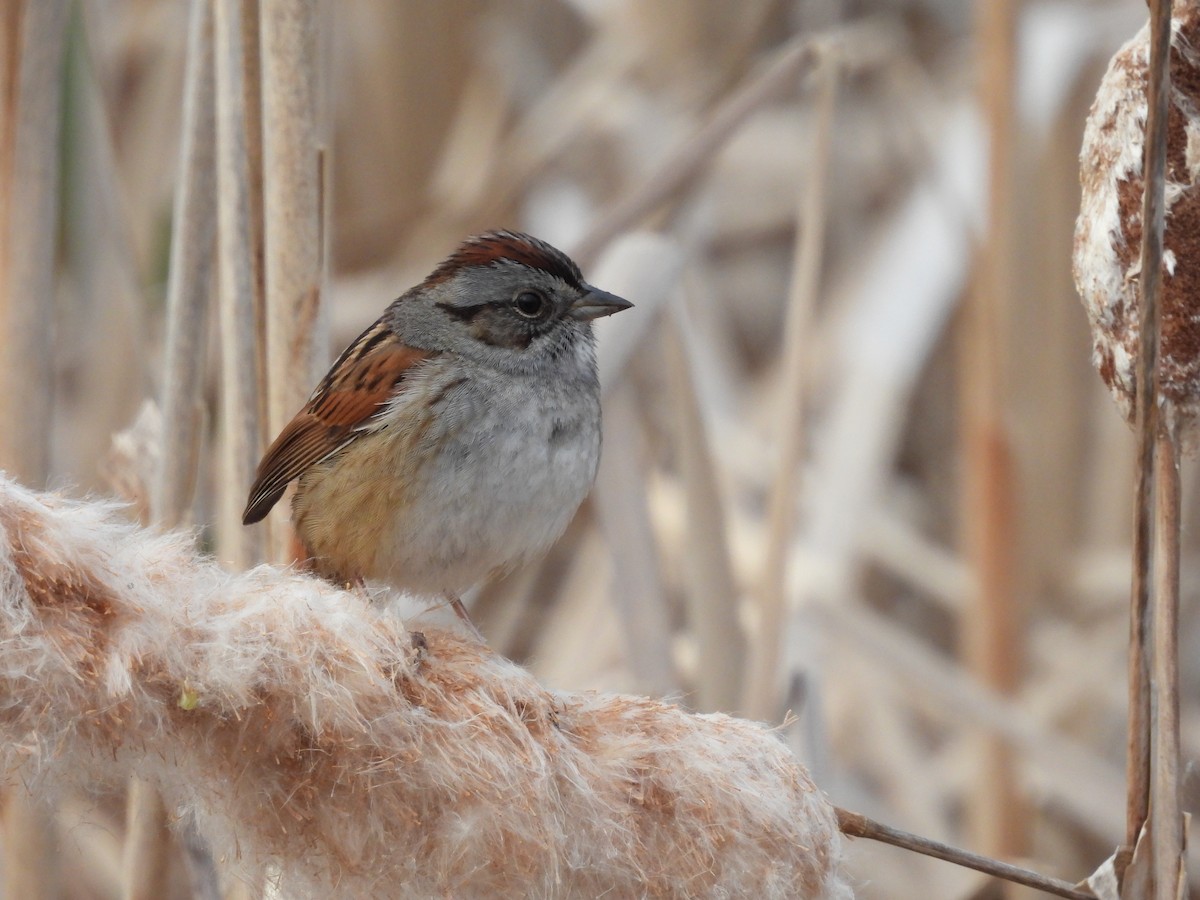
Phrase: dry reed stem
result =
(638, 592)
(133, 460)
(1066, 772)
(241, 313)
(238, 278)
(567, 108)
(92, 847)
(1166, 815)
(1137, 218)
(146, 854)
(310, 733)
(34, 38)
(102, 330)
(189, 291)
(935, 570)
(645, 266)
(991, 627)
(252, 116)
(292, 211)
(762, 682)
(190, 280)
(858, 825)
(1148, 771)
(857, 45)
(1146, 419)
(712, 593)
(35, 35)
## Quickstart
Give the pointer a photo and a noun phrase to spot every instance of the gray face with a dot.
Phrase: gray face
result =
(505, 315)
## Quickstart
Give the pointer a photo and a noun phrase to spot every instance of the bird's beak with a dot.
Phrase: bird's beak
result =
(595, 304)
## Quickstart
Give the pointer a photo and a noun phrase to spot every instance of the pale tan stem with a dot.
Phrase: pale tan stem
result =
(763, 680)
(711, 589)
(1166, 815)
(147, 843)
(857, 45)
(33, 35)
(292, 207)
(238, 280)
(991, 629)
(252, 117)
(189, 291)
(1153, 737)
(190, 281)
(637, 582)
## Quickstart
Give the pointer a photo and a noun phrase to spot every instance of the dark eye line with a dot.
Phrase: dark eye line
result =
(465, 313)
(472, 311)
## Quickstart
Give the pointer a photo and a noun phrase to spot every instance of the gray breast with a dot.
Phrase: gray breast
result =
(513, 461)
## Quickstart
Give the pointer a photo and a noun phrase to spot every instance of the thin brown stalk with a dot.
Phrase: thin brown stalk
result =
(1146, 415)
(292, 215)
(1068, 774)
(763, 680)
(991, 627)
(33, 35)
(858, 825)
(856, 44)
(237, 279)
(1166, 817)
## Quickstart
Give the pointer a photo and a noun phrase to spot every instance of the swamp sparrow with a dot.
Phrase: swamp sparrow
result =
(456, 437)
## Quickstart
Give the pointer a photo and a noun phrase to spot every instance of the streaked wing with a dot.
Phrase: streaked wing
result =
(363, 379)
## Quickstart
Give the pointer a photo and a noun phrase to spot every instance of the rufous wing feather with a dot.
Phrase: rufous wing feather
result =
(364, 378)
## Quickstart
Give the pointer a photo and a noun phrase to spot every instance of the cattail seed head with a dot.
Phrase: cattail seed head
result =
(1108, 233)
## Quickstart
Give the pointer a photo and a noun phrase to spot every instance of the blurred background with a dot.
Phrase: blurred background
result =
(860, 480)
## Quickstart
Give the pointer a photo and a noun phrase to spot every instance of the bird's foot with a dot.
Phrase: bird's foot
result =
(456, 604)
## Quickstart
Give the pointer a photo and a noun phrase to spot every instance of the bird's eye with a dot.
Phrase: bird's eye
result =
(531, 304)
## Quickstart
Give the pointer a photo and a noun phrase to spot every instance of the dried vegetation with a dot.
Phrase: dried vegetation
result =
(693, 130)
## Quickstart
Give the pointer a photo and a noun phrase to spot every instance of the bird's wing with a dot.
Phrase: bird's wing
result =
(364, 378)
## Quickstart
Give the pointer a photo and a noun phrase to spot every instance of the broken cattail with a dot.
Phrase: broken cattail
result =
(1108, 234)
(1139, 168)
(314, 737)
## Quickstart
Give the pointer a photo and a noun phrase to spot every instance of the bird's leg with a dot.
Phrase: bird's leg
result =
(456, 604)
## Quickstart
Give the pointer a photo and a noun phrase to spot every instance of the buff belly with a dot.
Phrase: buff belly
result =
(431, 509)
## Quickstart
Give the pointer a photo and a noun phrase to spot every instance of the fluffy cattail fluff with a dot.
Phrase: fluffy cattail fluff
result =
(1108, 233)
(314, 737)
